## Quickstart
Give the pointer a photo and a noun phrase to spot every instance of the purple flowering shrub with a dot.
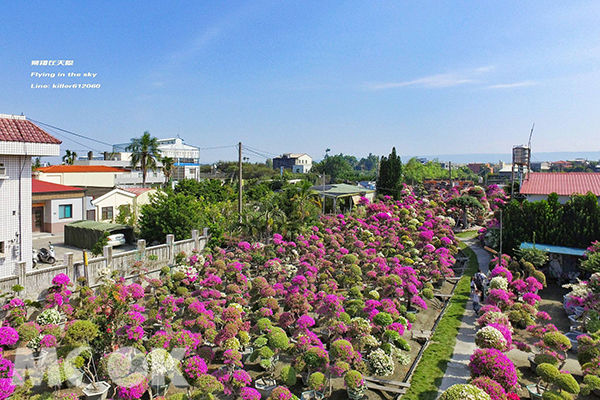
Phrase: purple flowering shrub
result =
(495, 365)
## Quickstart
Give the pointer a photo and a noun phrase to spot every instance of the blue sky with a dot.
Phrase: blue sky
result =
(427, 77)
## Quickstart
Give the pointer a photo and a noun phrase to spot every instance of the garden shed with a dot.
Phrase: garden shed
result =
(563, 261)
(85, 234)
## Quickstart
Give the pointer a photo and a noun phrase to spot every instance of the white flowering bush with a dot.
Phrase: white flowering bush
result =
(403, 359)
(50, 316)
(381, 364)
(370, 341)
(489, 337)
(464, 392)
(499, 282)
(189, 272)
(160, 362)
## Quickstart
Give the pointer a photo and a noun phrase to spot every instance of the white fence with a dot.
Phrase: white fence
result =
(153, 258)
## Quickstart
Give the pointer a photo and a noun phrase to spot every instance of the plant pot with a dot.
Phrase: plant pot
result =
(438, 284)
(575, 323)
(159, 390)
(573, 339)
(532, 363)
(39, 357)
(96, 394)
(311, 395)
(247, 353)
(76, 379)
(358, 393)
(534, 394)
(265, 386)
(596, 392)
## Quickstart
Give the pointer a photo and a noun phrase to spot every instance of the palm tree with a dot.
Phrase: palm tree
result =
(69, 157)
(144, 151)
(168, 168)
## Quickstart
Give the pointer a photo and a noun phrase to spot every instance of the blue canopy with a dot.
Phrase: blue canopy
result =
(571, 251)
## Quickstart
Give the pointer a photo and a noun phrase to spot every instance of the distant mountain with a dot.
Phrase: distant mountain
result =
(506, 157)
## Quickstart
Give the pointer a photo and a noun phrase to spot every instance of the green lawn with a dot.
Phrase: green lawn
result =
(466, 235)
(431, 368)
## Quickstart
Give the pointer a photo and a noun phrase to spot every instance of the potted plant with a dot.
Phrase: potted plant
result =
(560, 383)
(161, 366)
(316, 383)
(355, 385)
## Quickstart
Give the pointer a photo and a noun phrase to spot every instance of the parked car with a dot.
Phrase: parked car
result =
(116, 240)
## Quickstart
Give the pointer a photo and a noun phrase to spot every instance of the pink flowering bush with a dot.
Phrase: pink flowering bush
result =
(495, 365)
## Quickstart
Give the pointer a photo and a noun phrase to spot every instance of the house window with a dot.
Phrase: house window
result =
(2, 250)
(65, 211)
(2, 169)
(107, 213)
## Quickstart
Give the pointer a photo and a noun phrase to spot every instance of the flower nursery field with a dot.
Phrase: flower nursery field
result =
(310, 316)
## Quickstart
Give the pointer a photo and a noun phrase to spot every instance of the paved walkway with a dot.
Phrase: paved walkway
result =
(458, 367)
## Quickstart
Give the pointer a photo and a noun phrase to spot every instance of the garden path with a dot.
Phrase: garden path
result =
(457, 370)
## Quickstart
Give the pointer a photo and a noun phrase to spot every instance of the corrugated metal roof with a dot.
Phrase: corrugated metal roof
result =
(571, 251)
(563, 184)
(19, 129)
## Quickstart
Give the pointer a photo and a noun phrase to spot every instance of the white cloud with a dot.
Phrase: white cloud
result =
(513, 85)
(437, 80)
(433, 81)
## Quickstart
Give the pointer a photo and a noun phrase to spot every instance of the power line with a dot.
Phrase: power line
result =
(86, 148)
(216, 147)
(72, 133)
(262, 151)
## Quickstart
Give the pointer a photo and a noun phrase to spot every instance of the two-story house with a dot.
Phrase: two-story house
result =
(20, 139)
(297, 163)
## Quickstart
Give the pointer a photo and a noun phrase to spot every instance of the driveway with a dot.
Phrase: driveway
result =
(60, 248)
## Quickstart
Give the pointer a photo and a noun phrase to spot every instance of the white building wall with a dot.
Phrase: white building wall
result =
(538, 197)
(15, 213)
(114, 201)
(77, 210)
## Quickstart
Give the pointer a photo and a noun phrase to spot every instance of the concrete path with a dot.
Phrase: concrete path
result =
(458, 367)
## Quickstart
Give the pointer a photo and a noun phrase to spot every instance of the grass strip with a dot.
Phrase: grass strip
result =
(466, 235)
(430, 371)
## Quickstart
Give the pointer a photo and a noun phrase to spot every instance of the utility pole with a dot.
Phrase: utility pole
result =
(240, 185)
(500, 252)
(450, 172)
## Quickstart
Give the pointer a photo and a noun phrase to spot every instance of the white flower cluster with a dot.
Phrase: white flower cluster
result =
(50, 316)
(499, 282)
(381, 364)
(104, 275)
(160, 362)
(489, 337)
(464, 392)
(188, 271)
(291, 270)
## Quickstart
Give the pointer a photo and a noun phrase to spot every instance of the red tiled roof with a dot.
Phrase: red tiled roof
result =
(563, 184)
(137, 191)
(18, 129)
(38, 186)
(79, 168)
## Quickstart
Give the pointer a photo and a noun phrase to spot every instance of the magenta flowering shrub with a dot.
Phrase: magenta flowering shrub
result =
(8, 336)
(281, 393)
(491, 387)
(501, 298)
(132, 386)
(249, 394)
(194, 367)
(495, 365)
(7, 386)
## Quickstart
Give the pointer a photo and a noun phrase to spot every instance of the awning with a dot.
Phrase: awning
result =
(571, 251)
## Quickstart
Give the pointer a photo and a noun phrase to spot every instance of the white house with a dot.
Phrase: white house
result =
(296, 162)
(20, 139)
(80, 175)
(53, 206)
(107, 205)
(186, 157)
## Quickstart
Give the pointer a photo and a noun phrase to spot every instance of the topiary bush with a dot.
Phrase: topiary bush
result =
(462, 392)
(490, 386)
(288, 375)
